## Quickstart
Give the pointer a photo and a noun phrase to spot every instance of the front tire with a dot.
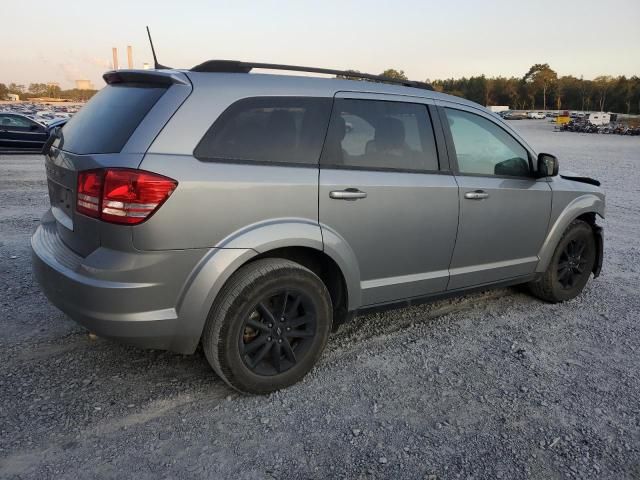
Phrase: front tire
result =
(570, 267)
(268, 326)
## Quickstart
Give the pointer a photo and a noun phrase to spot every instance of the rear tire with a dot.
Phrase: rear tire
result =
(268, 326)
(570, 267)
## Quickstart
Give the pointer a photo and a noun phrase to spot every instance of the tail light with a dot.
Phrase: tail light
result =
(121, 195)
(89, 192)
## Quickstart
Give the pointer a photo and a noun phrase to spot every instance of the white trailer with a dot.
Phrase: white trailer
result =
(599, 118)
(498, 108)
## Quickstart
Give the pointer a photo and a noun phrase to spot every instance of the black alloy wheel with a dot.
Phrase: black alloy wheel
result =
(278, 332)
(268, 325)
(572, 264)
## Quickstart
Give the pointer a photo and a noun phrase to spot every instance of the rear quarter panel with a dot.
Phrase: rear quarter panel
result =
(219, 204)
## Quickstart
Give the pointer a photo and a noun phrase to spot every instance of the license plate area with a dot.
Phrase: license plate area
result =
(61, 199)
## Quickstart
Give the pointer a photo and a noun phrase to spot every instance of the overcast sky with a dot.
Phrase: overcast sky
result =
(71, 39)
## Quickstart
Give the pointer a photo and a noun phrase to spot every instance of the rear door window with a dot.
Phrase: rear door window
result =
(380, 135)
(276, 130)
(107, 121)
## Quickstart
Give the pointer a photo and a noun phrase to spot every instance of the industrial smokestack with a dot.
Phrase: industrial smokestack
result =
(115, 58)
(129, 56)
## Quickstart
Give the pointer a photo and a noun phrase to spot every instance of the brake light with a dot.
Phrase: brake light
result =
(121, 195)
(89, 192)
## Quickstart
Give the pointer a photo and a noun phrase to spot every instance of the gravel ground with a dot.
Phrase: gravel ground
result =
(491, 385)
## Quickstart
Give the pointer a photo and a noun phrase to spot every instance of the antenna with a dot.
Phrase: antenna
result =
(156, 65)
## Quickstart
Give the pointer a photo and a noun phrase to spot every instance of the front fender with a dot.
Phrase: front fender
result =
(587, 203)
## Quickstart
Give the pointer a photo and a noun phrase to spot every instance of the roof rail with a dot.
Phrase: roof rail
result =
(235, 66)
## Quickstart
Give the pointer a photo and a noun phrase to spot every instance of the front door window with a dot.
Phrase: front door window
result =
(483, 148)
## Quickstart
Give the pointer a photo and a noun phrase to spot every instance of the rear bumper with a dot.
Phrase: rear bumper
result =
(130, 296)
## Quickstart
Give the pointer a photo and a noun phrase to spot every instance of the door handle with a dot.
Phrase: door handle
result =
(476, 195)
(347, 194)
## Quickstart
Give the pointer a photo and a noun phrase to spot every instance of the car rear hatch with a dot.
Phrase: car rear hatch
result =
(113, 130)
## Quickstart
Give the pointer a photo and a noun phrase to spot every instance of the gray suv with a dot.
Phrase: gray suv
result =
(253, 213)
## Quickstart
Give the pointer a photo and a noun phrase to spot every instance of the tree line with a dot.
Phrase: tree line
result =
(539, 88)
(40, 90)
(542, 88)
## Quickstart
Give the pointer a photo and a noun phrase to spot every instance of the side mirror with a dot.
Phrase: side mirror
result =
(547, 165)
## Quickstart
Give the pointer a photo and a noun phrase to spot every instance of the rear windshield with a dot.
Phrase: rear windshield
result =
(107, 121)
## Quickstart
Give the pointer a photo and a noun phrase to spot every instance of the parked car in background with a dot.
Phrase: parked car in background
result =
(238, 211)
(57, 123)
(515, 116)
(19, 132)
(536, 115)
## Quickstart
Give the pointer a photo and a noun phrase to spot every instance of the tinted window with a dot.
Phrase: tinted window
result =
(377, 134)
(482, 147)
(15, 121)
(268, 129)
(105, 123)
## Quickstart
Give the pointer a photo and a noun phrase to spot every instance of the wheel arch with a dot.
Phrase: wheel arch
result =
(291, 236)
(585, 207)
(325, 267)
(298, 240)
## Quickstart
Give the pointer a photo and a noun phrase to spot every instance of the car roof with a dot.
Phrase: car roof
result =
(315, 86)
(277, 84)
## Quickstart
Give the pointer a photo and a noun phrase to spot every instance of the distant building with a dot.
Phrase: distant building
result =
(84, 85)
(13, 97)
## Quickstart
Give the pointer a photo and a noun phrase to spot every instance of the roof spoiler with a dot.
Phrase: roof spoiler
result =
(155, 77)
(235, 66)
